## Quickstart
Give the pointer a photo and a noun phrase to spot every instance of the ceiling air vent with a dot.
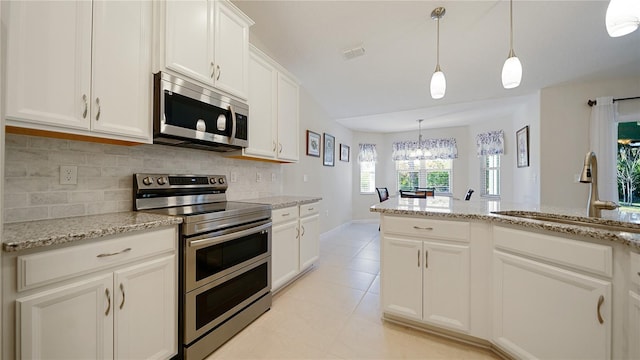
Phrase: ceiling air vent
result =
(353, 53)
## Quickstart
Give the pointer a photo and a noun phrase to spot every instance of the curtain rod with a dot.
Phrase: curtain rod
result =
(593, 102)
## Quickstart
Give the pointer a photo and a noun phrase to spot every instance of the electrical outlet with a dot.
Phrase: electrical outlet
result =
(68, 175)
(233, 177)
(258, 177)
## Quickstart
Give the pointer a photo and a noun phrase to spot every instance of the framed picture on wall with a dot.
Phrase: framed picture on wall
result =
(313, 144)
(344, 152)
(522, 146)
(329, 150)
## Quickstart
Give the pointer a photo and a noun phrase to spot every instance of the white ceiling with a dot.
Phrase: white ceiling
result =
(387, 89)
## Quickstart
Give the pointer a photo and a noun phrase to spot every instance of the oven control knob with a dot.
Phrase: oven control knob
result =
(147, 181)
(162, 180)
(221, 181)
(212, 181)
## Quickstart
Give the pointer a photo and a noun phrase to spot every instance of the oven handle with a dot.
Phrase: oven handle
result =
(226, 237)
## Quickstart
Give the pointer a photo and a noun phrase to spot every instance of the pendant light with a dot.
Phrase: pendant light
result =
(623, 17)
(512, 68)
(419, 150)
(438, 82)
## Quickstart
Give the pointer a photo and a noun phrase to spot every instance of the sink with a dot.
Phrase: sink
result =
(598, 223)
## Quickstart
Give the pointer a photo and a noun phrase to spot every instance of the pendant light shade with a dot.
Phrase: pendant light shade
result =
(511, 72)
(512, 68)
(623, 17)
(438, 82)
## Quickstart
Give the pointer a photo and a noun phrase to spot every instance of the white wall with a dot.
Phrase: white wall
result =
(332, 183)
(564, 136)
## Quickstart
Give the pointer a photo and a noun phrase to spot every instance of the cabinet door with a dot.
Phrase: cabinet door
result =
(48, 63)
(541, 311)
(146, 310)
(287, 118)
(634, 325)
(189, 38)
(309, 240)
(70, 322)
(262, 107)
(231, 49)
(122, 79)
(284, 253)
(446, 285)
(402, 262)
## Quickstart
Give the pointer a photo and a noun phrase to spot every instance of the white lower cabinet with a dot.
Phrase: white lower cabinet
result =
(129, 314)
(284, 247)
(425, 279)
(295, 242)
(123, 305)
(633, 341)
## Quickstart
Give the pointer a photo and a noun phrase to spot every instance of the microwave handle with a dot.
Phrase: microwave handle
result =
(233, 125)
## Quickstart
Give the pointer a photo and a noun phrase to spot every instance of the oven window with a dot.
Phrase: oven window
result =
(185, 112)
(222, 298)
(211, 260)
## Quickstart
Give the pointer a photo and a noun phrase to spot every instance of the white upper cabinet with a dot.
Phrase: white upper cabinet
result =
(273, 110)
(208, 41)
(80, 67)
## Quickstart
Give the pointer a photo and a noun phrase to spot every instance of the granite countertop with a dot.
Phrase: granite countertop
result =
(34, 234)
(447, 207)
(283, 201)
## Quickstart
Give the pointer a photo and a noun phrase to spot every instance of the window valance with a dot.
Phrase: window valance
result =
(429, 149)
(367, 153)
(490, 143)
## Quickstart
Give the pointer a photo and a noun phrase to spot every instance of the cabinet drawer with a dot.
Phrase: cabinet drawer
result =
(577, 254)
(309, 209)
(285, 214)
(442, 229)
(48, 266)
(635, 268)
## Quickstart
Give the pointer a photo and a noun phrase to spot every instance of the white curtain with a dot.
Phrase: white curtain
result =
(367, 153)
(490, 143)
(428, 149)
(603, 141)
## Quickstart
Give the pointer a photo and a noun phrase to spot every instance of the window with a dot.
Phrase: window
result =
(367, 177)
(490, 175)
(425, 173)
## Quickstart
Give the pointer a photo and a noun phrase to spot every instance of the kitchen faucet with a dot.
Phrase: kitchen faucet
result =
(590, 175)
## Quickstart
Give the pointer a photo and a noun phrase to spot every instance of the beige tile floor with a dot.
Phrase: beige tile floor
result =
(333, 312)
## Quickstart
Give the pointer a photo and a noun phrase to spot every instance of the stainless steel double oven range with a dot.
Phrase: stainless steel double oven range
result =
(225, 256)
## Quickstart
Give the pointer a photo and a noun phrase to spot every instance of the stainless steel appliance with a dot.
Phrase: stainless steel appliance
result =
(225, 256)
(186, 114)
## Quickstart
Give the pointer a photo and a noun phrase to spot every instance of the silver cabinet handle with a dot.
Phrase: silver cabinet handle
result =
(213, 70)
(422, 228)
(98, 104)
(86, 106)
(638, 273)
(287, 214)
(600, 301)
(122, 290)
(297, 232)
(303, 231)
(106, 292)
(219, 72)
(310, 209)
(115, 253)
(418, 258)
(274, 146)
(280, 148)
(426, 259)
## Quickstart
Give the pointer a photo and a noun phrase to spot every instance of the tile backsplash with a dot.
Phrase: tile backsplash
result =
(32, 187)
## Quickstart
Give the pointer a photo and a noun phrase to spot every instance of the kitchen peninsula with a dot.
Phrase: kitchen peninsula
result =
(528, 281)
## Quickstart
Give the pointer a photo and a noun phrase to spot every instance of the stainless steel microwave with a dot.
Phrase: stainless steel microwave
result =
(186, 114)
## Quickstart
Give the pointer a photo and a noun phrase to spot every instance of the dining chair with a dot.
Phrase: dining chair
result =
(429, 190)
(413, 194)
(383, 194)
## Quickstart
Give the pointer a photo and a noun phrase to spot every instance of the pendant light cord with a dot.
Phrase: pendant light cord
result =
(438, 44)
(511, 27)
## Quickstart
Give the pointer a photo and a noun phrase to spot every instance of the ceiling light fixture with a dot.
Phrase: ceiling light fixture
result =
(623, 17)
(512, 68)
(438, 82)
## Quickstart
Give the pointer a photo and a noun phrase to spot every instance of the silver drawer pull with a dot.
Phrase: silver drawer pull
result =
(115, 253)
(287, 214)
(311, 209)
(422, 228)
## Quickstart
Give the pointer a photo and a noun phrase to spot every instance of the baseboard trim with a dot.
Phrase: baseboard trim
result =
(365, 221)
